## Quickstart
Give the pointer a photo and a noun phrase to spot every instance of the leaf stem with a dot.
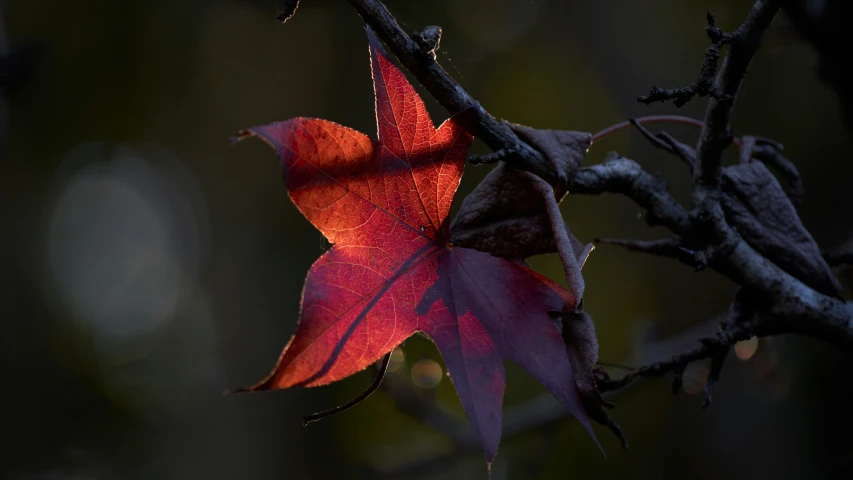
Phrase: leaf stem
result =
(561, 237)
(355, 401)
(652, 119)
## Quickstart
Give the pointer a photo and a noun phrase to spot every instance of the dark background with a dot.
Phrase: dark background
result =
(148, 265)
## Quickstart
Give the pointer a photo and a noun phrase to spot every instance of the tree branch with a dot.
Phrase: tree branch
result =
(805, 310)
(796, 308)
(621, 175)
(670, 247)
(716, 133)
(708, 348)
(315, 417)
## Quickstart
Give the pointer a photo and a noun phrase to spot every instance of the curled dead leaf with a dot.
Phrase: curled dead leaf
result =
(506, 216)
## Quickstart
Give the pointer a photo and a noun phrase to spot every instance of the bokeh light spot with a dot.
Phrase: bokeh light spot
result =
(123, 240)
(398, 360)
(426, 374)
(745, 349)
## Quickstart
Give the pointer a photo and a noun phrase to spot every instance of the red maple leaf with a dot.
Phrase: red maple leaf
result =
(392, 271)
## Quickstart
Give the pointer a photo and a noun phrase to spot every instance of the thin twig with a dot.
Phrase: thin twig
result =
(708, 348)
(621, 175)
(674, 119)
(355, 401)
(670, 247)
(686, 153)
(716, 133)
(704, 84)
(651, 137)
(644, 120)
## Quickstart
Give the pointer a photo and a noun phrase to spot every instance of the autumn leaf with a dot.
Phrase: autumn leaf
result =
(392, 271)
(762, 213)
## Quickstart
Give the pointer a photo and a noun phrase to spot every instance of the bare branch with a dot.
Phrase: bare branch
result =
(716, 134)
(686, 153)
(621, 175)
(704, 84)
(795, 307)
(651, 137)
(670, 247)
(493, 157)
(668, 143)
(708, 348)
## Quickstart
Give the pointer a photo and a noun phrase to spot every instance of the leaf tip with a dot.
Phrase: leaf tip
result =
(595, 439)
(373, 42)
(240, 136)
(254, 388)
